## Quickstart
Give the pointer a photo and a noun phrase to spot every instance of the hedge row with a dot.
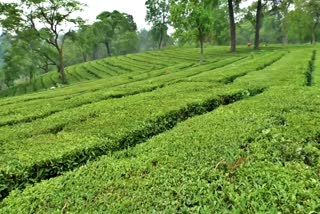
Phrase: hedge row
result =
(87, 118)
(253, 63)
(256, 156)
(141, 83)
(78, 88)
(166, 57)
(88, 86)
(22, 146)
(289, 70)
(34, 86)
(310, 70)
(50, 79)
(31, 166)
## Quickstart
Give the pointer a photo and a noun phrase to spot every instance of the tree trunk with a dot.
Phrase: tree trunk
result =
(8, 83)
(258, 25)
(314, 34)
(46, 68)
(232, 26)
(314, 39)
(95, 52)
(108, 46)
(30, 76)
(84, 57)
(61, 66)
(161, 38)
(285, 32)
(285, 39)
(285, 28)
(201, 51)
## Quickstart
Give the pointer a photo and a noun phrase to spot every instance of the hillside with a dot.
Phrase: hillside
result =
(129, 67)
(159, 132)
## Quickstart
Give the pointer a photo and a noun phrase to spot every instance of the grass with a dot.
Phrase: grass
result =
(239, 133)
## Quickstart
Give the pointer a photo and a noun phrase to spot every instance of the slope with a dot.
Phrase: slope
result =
(201, 164)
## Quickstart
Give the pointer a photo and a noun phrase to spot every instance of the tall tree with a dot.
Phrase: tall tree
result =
(28, 40)
(5, 45)
(84, 39)
(259, 16)
(313, 9)
(232, 26)
(48, 19)
(146, 41)
(192, 17)
(258, 25)
(111, 24)
(158, 16)
(283, 10)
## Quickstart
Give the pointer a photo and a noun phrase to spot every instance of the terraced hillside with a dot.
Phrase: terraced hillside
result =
(239, 133)
(129, 66)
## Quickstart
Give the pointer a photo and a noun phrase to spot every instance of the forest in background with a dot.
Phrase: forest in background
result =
(34, 42)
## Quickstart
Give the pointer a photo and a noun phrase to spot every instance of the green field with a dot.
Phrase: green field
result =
(159, 132)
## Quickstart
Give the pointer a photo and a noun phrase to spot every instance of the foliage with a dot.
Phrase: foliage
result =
(158, 16)
(4, 45)
(73, 102)
(220, 29)
(312, 7)
(192, 19)
(46, 19)
(112, 25)
(115, 33)
(299, 26)
(146, 40)
(256, 155)
(237, 132)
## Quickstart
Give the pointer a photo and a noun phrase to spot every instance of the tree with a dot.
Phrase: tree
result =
(84, 39)
(126, 43)
(23, 57)
(259, 16)
(299, 25)
(47, 18)
(283, 10)
(146, 41)
(158, 16)
(258, 25)
(17, 64)
(245, 32)
(159, 35)
(111, 24)
(313, 9)
(233, 35)
(192, 18)
(4, 46)
(35, 48)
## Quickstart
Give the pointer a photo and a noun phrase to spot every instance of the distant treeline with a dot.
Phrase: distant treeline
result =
(29, 49)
